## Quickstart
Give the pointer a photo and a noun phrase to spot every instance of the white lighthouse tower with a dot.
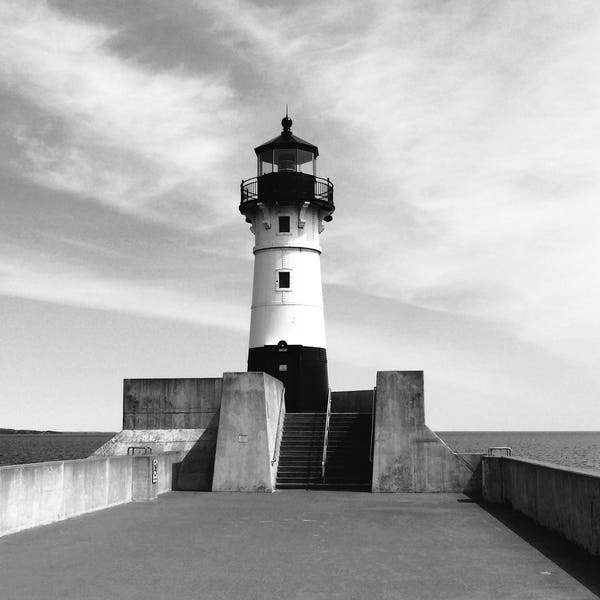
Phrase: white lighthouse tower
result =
(286, 205)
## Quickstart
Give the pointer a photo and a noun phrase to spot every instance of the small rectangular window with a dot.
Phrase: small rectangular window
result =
(284, 279)
(282, 368)
(284, 224)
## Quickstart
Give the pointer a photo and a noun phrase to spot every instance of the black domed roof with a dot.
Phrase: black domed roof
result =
(287, 140)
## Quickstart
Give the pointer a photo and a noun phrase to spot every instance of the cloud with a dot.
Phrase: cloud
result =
(45, 278)
(110, 129)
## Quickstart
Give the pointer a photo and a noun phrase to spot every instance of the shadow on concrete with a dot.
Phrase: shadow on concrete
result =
(195, 472)
(572, 559)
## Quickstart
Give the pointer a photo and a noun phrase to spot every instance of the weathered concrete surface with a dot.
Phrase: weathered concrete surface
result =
(563, 499)
(292, 545)
(360, 401)
(250, 415)
(41, 493)
(167, 461)
(407, 455)
(170, 403)
(196, 445)
(172, 415)
(158, 440)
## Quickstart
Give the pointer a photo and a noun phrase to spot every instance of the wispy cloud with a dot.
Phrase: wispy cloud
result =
(110, 129)
(45, 278)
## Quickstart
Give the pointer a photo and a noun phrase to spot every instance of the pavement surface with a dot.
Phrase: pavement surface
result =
(292, 545)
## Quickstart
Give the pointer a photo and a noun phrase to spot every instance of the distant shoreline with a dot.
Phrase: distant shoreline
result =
(5, 431)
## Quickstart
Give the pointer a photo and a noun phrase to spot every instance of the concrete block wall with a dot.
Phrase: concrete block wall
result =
(42, 493)
(184, 403)
(252, 414)
(407, 455)
(563, 499)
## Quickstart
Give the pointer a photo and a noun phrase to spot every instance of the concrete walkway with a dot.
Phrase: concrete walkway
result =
(287, 545)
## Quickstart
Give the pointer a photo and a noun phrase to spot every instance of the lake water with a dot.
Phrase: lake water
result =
(579, 449)
(20, 448)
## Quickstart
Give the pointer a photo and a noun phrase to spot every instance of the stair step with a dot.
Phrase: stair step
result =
(354, 487)
(301, 452)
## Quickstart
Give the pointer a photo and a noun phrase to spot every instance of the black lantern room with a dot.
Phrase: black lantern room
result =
(287, 173)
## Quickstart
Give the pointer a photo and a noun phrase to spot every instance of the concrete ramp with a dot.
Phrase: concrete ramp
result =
(198, 445)
(407, 455)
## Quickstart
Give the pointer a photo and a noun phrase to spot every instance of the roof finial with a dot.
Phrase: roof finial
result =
(286, 122)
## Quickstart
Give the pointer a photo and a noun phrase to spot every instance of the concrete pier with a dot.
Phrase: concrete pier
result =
(295, 545)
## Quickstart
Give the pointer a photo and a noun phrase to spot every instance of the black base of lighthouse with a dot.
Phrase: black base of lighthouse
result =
(301, 369)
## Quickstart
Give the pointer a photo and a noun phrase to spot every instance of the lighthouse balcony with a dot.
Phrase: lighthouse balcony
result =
(287, 188)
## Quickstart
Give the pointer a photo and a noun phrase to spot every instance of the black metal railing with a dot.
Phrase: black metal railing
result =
(323, 190)
(249, 189)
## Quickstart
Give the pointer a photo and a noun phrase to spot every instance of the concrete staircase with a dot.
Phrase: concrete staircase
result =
(301, 451)
(348, 463)
(348, 466)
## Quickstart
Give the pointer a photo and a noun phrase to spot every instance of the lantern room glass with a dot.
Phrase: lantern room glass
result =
(286, 160)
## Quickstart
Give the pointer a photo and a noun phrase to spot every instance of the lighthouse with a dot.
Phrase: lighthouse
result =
(287, 205)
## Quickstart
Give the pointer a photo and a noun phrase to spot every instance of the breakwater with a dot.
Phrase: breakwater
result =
(562, 499)
(43, 493)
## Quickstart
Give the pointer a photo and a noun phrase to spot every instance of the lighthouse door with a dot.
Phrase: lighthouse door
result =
(283, 363)
(286, 370)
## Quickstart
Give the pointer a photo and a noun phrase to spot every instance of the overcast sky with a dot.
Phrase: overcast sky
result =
(463, 139)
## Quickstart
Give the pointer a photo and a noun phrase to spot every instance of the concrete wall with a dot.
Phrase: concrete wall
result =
(407, 455)
(172, 415)
(360, 401)
(171, 403)
(563, 499)
(248, 433)
(42, 493)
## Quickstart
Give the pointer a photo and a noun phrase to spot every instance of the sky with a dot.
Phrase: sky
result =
(463, 140)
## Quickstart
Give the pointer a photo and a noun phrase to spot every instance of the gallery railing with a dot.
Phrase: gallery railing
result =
(323, 189)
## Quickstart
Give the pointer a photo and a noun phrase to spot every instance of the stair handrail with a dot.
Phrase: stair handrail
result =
(326, 436)
(372, 445)
(279, 431)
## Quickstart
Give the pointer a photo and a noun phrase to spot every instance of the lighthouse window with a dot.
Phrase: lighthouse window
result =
(306, 162)
(265, 163)
(284, 224)
(284, 160)
(284, 280)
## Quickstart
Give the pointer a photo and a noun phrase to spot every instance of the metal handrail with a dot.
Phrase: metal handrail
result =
(131, 450)
(323, 189)
(279, 431)
(326, 436)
